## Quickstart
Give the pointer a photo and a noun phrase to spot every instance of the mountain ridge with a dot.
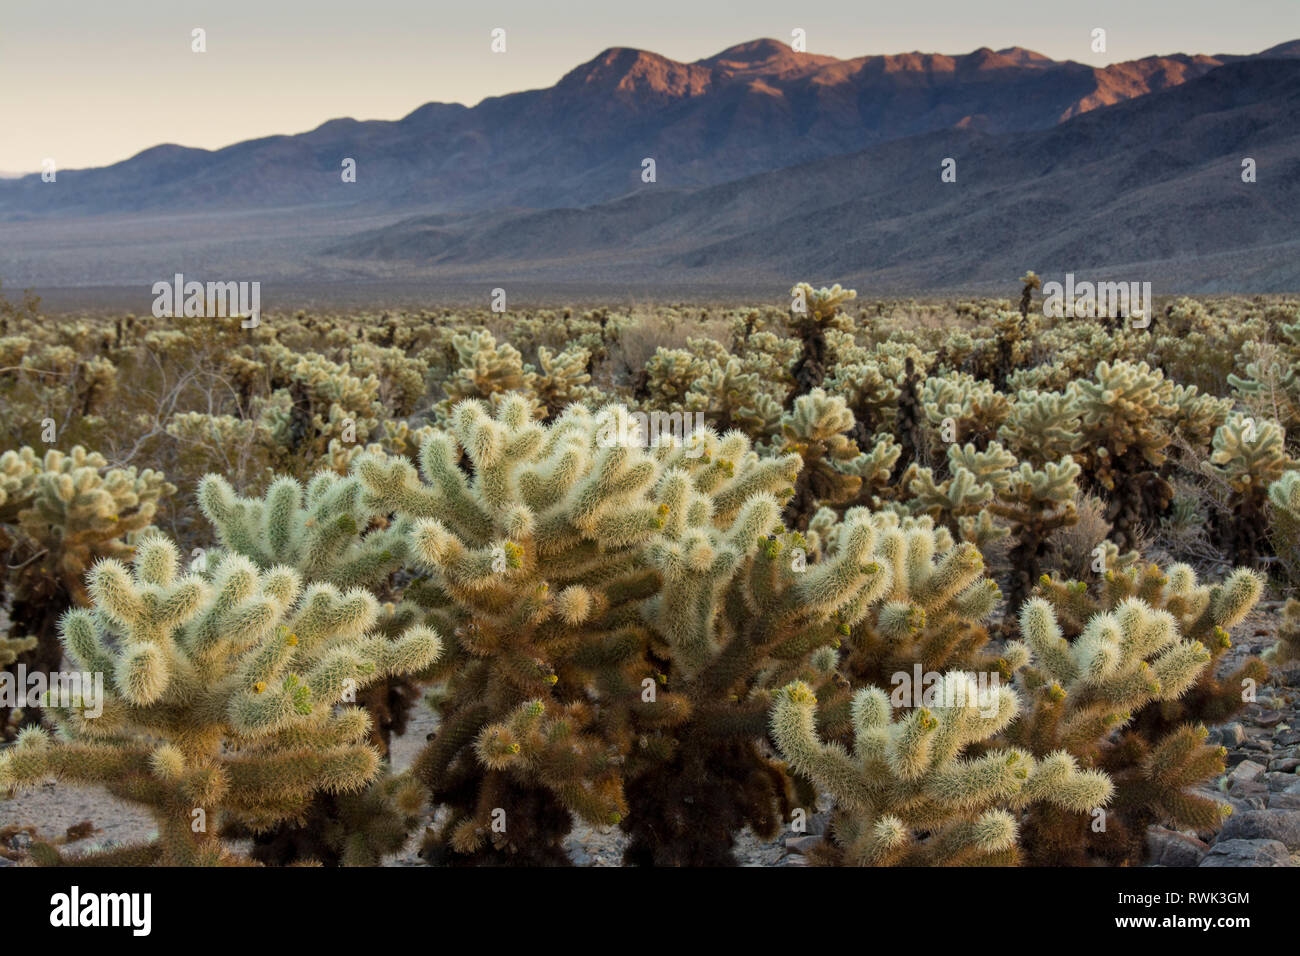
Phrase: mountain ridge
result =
(754, 107)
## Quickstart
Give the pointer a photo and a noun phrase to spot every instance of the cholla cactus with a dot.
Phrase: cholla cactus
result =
(533, 565)
(1030, 281)
(962, 409)
(814, 311)
(564, 378)
(1248, 456)
(1042, 426)
(76, 509)
(1140, 660)
(1287, 648)
(932, 615)
(733, 396)
(1205, 613)
(486, 369)
(959, 502)
(344, 829)
(1126, 412)
(909, 794)
(816, 429)
(667, 377)
(12, 647)
(1197, 417)
(871, 395)
(320, 531)
(59, 514)
(220, 697)
(617, 612)
(1271, 383)
(401, 377)
(1036, 502)
(1284, 508)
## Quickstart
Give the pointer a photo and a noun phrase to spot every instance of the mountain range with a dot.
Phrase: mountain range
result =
(768, 163)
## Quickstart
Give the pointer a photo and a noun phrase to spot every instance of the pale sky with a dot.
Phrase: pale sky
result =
(92, 82)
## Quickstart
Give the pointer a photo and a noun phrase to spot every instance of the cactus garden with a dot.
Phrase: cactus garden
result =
(826, 580)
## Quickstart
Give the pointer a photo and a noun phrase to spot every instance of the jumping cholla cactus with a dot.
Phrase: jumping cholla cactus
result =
(486, 369)
(960, 502)
(1042, 426)
(834, 469)
(1271, 382)
(564, 378)
(1287, 648)
(1140, 662)
(815, 311)
(732, 395)
(1249, 457)
(59, 514)
(871, 395)
(220, 699)
(1036, 502)
(1284, 508)
(909, 795)
(930, 617)
(1125, 411)
(323, 531)
(962, 409)
(618, 612)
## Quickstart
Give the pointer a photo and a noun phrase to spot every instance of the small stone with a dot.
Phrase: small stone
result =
(1284, 801)
(1171, 848)
(1280, 825)
(1278, 782)
(1245, 772)
(1247, 853)
(1231, 735)
(802, 844)
(1249, 790)
(1266, 718)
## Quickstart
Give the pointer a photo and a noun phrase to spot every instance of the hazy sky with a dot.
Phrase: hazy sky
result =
(90, 82)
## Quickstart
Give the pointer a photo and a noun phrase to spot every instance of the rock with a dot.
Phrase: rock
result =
(1262, 746)
(1280, 825)
(802, 844)
(1283, 764)
(1266, 718)
(1284, 801)
(1245, 772)
(1171, 848)
(1247, 853)
(1248, 790)
(1231, 735)
(1278, 782)
(1288, 738)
